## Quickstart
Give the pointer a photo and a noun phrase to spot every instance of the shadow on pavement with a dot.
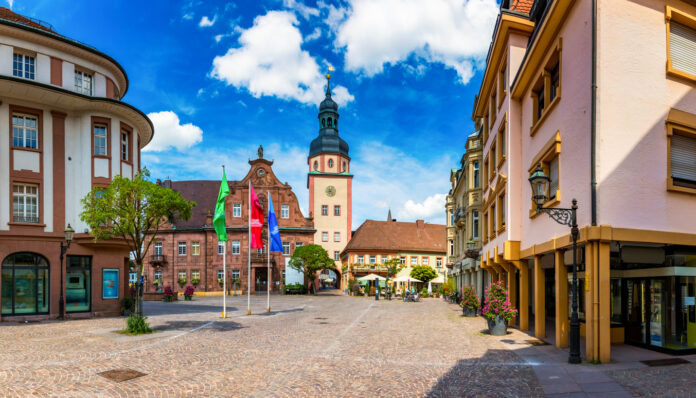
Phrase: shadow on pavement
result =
(221, 326)
(497, 373)
(280, 312)
(170, 308)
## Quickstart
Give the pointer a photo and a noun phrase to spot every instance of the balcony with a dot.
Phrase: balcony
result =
(460, 216)
(158, 260)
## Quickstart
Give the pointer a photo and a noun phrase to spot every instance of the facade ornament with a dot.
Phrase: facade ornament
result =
(260, 151)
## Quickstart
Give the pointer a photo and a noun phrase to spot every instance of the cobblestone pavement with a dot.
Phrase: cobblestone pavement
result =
(308, 346)
(665, 381)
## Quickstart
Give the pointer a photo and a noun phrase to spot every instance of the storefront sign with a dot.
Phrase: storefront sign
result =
(110, 284)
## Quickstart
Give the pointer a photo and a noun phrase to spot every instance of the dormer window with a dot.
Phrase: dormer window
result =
(83, 83)
(23, 66)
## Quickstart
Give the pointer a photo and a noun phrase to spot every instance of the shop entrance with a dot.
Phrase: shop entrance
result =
(261, 278)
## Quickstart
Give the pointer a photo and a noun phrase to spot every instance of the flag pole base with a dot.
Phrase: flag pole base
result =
(268, 309)
(248, 312)
(224, 315)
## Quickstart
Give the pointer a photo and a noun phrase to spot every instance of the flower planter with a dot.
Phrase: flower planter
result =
(187, 297)
(497, 327)
(469, 312)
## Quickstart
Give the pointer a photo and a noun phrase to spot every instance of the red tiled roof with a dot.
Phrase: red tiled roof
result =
(399, 236)
(9, 15)
(523, 6)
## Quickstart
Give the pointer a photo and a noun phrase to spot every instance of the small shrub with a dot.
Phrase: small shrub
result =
(137, 324)
(221, 282)
(497, 303)
(128, 304)
(189, 291)
(195, 281)
(469, 298)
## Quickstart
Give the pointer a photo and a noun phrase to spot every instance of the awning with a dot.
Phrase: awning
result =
(406, 279)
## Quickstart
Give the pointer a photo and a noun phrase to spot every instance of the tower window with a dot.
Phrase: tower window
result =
(344, 167)
(316, 165)
(323, 122)
(330, 163)
(329, 122)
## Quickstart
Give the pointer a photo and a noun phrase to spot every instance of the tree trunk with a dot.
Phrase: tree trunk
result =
(139, 291)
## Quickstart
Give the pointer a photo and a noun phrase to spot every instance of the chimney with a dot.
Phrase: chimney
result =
(209, 219)
(420, 224)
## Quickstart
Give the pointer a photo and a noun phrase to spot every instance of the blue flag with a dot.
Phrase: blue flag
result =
(276, 243)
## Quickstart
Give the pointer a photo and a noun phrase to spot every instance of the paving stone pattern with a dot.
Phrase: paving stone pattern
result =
(328, 346)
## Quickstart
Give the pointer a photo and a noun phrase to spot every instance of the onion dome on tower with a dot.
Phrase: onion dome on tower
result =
(328, 140)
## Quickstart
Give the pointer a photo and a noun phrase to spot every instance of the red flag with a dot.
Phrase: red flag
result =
(256, 220)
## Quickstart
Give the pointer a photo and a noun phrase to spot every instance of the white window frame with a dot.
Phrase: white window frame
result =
(373, 259)
(324, 236)
(361, 260)
(298, 244)
(438, 262)
(101, 144)
(195, 248)
(181, 248)
(425, 260)
(158, 274)
(236, 247)
(196, 274)
(402, 260)
(475, 224)
(27, 66)
(337, 210)
(25, 203)
(24, 134)
(284, 211)
(84, 82)
(158, 248)
(337, 236)
(286, 248)
(125, 153)
(237, 210)
(221, 247)
(235, 273)
(324, 210)
(220, 274)
(414, 260)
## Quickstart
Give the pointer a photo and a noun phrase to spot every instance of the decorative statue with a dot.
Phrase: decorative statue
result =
(260, 151)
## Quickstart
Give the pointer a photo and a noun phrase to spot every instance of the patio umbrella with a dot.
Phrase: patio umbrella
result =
(440, 279)
(371, 277)
(430, 287)
(408, 279)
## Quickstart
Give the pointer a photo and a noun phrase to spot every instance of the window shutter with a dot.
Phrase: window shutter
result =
(683, 158)
(682, 49)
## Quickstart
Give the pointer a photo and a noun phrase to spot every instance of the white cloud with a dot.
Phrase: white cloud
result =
(10, 3)
(205, 22)
(314, 35)
(455, 33)
(271, 62)
(301, 8)
(385, 178)
(188, 16)
(432, 206)
(170, 133)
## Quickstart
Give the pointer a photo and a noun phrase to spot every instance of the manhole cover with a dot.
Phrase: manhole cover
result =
(537, 342)
(119, 375)
(665, 362)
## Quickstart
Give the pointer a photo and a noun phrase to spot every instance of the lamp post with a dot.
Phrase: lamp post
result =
(540, 187)
(69, 233)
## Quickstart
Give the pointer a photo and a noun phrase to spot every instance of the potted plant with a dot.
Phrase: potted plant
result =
(234, 282)
(470, 301)
(497, 309)
(181, 281)
(221, 282)
(168, 295)
(195, 281)
(188, 293)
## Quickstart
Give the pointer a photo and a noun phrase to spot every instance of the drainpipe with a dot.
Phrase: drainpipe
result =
(593, 132)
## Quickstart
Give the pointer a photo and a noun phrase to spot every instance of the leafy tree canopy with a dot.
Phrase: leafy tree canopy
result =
(311, 259)
(133, 210)
(424, 273)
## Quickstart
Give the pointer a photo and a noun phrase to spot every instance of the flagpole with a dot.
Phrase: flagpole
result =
(249, 267)
(224, 273)
(268, 269)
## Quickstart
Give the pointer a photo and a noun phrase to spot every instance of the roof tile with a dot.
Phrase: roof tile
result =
(399, 236)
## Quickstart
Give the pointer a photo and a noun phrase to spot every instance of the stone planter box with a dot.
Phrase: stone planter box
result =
(156, 296)
(497, 327)
(468, 312)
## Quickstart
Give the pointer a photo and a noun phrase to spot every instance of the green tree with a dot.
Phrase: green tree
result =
(424, 273)
(393, 266)
(133, 211)
(309, 260)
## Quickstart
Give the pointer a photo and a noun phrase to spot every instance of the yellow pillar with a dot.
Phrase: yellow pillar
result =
(562, 322)
(512, 287)
(587, 290)
(603, 276)
(523, 269)
(539, 306)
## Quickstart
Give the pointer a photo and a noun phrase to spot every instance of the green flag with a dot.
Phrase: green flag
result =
(219, 217)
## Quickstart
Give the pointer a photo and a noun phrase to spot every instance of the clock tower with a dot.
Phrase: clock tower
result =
(330, 182)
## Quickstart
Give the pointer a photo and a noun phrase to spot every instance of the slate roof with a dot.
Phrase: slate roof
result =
(203, 192)
(399, 236)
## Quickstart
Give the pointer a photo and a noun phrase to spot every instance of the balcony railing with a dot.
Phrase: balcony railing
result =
(26, 219)
(158, 259)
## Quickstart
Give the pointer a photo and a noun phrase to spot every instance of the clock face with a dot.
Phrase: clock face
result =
(330, 190)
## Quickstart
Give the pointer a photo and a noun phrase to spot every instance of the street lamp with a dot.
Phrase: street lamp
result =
(69, 233)
(540, 187)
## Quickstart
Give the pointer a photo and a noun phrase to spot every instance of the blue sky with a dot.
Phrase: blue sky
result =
(219, 78)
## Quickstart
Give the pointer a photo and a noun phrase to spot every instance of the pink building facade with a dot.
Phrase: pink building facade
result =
(600, 95)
